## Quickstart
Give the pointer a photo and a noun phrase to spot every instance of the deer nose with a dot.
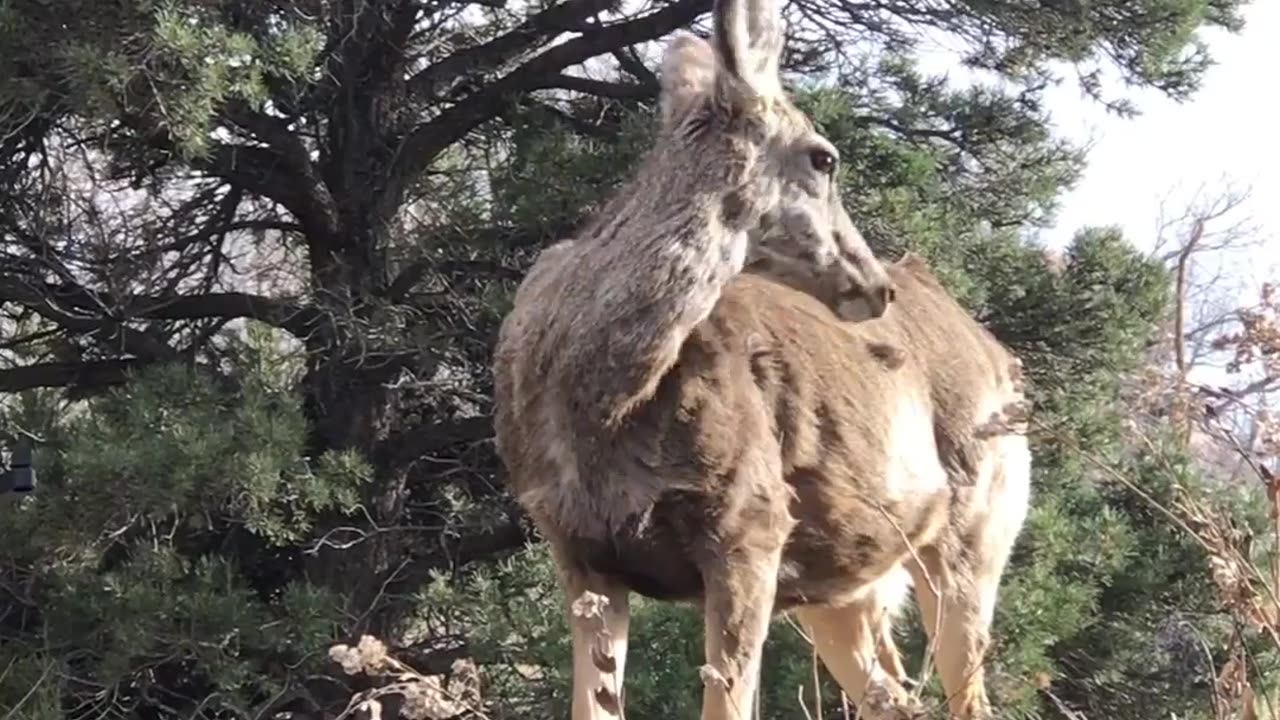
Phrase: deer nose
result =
(824, 256)
(865, 302)
(882, 297)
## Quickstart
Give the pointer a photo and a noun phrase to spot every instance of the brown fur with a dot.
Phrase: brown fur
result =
(768, 471)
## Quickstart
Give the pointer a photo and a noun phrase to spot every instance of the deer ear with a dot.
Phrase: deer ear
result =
(748, 41)
(688, 75)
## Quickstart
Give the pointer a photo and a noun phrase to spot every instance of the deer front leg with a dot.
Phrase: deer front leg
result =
(599, 619)
(599, 622)
(738, 606)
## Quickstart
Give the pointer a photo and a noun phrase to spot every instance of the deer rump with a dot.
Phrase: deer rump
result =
(878, 434)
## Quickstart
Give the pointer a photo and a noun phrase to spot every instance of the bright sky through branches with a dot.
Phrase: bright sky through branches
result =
(1225, 134)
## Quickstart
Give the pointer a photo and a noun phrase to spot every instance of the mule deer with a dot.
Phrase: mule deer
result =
(680, 430)
(787, 461)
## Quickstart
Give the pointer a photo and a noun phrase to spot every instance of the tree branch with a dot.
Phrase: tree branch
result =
(630, 63)
(62, 374)
(439, 79)
(90, 375)
(270, 172)
(265, 173)
(407, 446)
(107, 331)
(413, 274)
(429, 139)
(465, 549)
(603, 88)
(310, 200)
(299, 321)
(273, 131)
(1179, 323)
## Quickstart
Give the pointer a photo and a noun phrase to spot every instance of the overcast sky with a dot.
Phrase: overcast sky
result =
(1228, 131)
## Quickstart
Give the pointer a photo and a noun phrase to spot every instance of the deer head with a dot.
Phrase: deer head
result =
(786, 188)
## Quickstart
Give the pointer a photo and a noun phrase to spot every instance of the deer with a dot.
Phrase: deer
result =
(716, 394)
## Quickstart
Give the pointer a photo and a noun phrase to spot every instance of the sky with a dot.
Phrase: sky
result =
(1227, 131)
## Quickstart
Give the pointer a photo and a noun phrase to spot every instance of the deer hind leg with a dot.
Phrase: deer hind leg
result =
(599, 620)
(956, 634)
(966, 569)
(856, 646)
(886, 596)
(890, 593)
(887, 651)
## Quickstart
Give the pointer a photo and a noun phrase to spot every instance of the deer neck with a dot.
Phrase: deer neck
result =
(654, 264)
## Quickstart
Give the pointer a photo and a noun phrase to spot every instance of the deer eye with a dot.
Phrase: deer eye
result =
(822, 161)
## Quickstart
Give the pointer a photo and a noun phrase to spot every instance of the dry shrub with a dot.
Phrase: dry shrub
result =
(416, 696)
